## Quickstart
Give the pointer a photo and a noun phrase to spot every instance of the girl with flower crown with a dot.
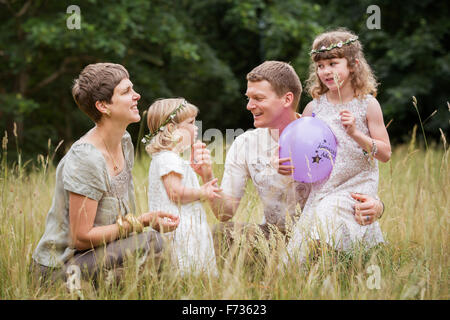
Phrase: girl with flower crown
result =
(173, 185)
(343, 88)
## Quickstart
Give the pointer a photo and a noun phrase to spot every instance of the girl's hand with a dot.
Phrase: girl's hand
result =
(348, 121)
(201, 160)
(210, 190)
(160, 221)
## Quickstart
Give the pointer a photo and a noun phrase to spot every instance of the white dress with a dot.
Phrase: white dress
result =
(328, 213)
(191, 243)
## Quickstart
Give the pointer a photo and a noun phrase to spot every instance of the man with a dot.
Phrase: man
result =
(273, 92)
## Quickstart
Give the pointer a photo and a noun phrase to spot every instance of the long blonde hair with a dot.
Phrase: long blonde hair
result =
(363, 80)
(158, 113)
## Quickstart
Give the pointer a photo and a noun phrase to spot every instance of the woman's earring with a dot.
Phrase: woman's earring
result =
(108, 112)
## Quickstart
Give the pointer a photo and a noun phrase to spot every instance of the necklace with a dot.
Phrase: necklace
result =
(112, 158)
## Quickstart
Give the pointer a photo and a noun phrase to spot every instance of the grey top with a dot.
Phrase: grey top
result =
(83, 171)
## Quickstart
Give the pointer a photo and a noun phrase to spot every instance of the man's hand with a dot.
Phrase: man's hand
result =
(367, 209)
(279, 164)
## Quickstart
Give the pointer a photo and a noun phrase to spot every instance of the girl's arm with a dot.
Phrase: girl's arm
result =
(181, 194)
(307, 112)
(377, 131)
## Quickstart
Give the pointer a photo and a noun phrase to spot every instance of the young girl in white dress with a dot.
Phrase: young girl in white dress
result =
(173, 185)
(344, 89)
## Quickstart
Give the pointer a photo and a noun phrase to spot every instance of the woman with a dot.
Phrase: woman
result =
(91, 221)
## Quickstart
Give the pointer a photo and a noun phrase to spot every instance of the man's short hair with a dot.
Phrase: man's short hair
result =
(96, 83)
(281, 76)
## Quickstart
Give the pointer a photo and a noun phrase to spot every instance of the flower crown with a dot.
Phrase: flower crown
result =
(148, 137)
(333, 45)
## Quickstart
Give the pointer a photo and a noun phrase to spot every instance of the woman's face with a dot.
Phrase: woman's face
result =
(124, 101)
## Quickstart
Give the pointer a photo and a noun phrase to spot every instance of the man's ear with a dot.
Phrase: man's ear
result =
(288, 99)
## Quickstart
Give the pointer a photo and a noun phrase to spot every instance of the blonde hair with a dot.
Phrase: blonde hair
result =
(158, 113)
(281, 76)
(362, 78)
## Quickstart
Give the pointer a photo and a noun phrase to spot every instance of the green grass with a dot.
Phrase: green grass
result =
(413, 264)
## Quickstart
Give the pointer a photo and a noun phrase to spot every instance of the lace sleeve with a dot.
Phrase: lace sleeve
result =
(167, 162)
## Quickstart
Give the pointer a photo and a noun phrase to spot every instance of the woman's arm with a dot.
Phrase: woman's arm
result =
(82, 212)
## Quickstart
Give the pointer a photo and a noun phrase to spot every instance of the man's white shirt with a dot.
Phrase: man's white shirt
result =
(252, 156)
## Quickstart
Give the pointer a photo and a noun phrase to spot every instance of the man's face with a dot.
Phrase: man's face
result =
(265, 105)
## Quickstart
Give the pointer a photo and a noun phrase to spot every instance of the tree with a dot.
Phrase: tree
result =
(202, 50)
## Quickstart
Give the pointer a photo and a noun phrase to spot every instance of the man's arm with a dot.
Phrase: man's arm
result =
(224, 208)
(233, 183)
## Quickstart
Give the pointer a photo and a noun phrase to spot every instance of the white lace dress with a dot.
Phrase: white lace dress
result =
(191, 243)
(328, 212)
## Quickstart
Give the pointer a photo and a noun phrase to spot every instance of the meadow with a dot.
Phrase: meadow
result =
(413, 264)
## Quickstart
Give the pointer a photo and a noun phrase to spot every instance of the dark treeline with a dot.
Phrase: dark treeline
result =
(202, 50)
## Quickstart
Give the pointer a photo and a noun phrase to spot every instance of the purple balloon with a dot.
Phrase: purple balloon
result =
(312, 147)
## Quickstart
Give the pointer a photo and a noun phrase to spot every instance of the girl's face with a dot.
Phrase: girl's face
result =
(188, 131)
(328, 67)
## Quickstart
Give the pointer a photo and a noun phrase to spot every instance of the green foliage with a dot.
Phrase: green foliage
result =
(202, 50)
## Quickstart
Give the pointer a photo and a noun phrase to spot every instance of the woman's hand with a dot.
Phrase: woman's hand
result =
(367, 209)
(160, 221)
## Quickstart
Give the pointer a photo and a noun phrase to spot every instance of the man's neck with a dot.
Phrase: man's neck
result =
(276, 131)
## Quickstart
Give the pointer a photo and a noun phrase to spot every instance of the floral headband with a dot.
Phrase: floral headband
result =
(148, 137)
(333, 45)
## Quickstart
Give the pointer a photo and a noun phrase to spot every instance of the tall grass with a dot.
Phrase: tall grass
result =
(413, 264)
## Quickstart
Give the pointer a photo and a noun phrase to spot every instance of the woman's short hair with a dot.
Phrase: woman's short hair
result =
(96, 83)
